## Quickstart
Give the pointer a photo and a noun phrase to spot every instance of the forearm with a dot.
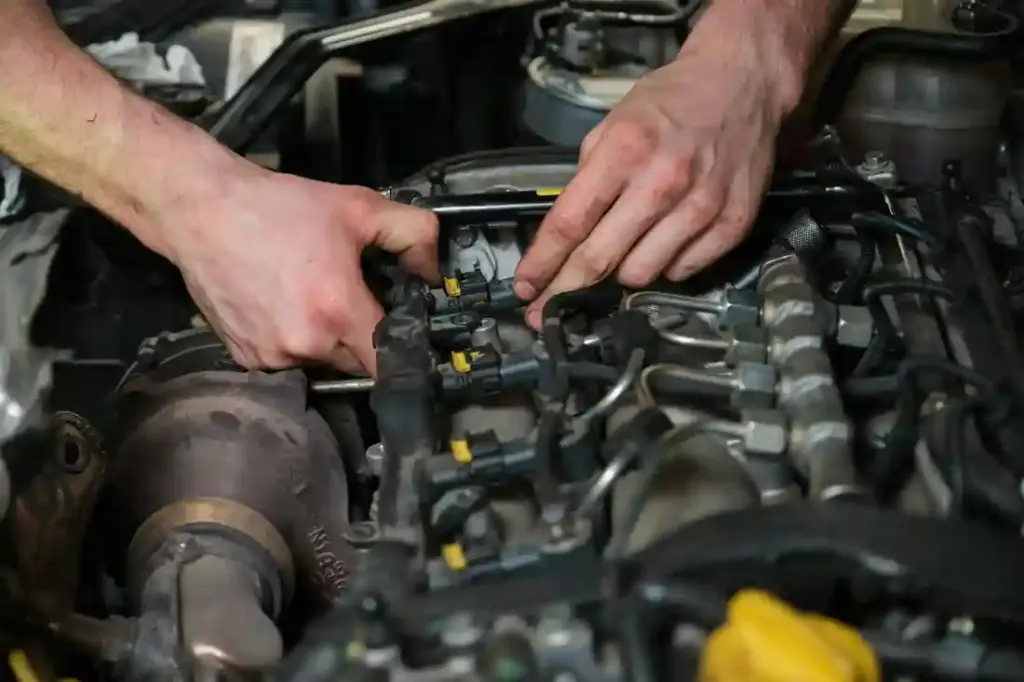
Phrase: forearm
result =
(789, 35)
(66, 119)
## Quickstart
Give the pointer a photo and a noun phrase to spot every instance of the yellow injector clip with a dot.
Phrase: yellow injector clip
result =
(455, 557)
(766, 640)
(461, 452)
(460, 362)
(452, 287)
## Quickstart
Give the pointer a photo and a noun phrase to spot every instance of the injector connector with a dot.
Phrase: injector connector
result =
(472, 292)
(483, 371)
(475, 460)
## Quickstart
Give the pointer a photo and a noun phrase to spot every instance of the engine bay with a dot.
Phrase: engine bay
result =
(821, 430)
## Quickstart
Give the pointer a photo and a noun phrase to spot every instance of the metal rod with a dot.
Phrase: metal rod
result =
(696, 342)
(657, 299)
(340, 386)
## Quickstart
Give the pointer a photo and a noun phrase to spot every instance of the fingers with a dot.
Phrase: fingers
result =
(724, 233)
(665, 180)
(345, 360)
(356, 332)
(663, 243)
(409, 233)
(704, 250)
(732, 223)
(599, 182)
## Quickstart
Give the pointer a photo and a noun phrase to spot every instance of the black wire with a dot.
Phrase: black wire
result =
(602, 297)
(874, 354)
(885, 330)
(635, 638)
(894, 463)
(895, 287)
(648, 476)
(851, 286)
(887, 224)
(549, 431)
(558, 356)
(593, 371)
(598, 297)
(698, 604)
(902, 380)
(957, 419)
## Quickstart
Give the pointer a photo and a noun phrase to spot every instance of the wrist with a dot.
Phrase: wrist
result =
(776, 46)
(181, 175)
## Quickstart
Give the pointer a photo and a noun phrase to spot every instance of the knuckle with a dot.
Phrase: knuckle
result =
(589, 142)
(680, 270)
(596, 263)
(635, 276)
(673, 170)
(568, 227)
(665, 190)
(736, 219)
(733, 224)
(705, 204)
(677, 275)
(243, 358)
(274, 360)
(634, 139)
(324, 308)
(304, 342)
(429, 227)
(361, 209)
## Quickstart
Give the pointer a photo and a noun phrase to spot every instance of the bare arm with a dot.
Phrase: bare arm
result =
(65, 118)
(795, 31)
(272, 260)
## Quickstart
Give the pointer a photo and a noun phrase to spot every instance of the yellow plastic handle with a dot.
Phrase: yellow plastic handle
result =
(766, 640)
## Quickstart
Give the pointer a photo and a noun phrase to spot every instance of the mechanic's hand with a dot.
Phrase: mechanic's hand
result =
(274, 264)
(667, 183)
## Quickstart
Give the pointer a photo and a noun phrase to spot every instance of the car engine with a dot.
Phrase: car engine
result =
(813, 446)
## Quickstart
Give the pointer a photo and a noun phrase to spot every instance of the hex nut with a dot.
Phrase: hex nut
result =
(747, 344)
(855, 327)
(765, 432)
(740, 308)
(754, 386)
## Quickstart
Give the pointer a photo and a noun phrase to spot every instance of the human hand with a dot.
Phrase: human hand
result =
(668, 182)
(273, 262)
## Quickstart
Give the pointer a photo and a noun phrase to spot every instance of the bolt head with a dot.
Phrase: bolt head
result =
(766, 432)
(874, 158)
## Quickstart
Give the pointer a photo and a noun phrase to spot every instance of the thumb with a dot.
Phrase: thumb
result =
(409, 233)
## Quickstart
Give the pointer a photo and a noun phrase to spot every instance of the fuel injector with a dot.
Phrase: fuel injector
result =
(472, 292)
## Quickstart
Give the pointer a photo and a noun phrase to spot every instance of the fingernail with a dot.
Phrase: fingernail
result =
(524, 291)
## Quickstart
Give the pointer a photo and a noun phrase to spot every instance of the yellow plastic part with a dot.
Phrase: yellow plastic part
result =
(23, 669)
(766, 640)
(460, 451)
(21, 666)
(454, 556)
(451, 286)
(461, 363)
(549, 191)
